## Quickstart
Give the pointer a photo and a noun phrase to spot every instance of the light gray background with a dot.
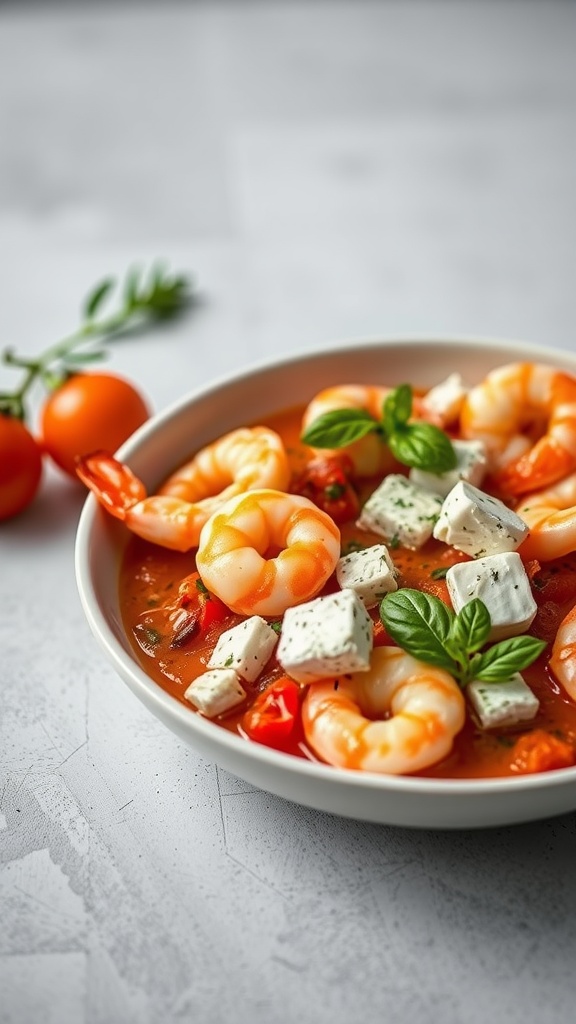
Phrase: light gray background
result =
(325, 170)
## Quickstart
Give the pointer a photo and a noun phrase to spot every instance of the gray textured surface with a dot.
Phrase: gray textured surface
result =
(327, 170)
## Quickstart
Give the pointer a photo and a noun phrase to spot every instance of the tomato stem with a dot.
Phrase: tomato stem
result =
(157, 297)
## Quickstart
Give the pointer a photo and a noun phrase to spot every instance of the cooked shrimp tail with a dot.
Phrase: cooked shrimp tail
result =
(247, 458)
(160, 519)
(112, 482)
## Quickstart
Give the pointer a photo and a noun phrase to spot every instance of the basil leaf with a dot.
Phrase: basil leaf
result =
(397, 408)
(420, 624)
(472, 626)
(502, 660)
(338, 428)
(423, 446)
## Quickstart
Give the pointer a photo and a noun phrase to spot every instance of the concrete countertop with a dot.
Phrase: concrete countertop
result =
(324, 170)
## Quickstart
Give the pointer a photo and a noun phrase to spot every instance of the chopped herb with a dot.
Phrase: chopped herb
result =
(439, 573)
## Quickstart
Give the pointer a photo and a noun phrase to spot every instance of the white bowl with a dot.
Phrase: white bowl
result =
(165, 442)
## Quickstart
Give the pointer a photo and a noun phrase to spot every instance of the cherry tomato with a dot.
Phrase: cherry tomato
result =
(272, 716)
(90, 411)
(20, 466)
(326, 480)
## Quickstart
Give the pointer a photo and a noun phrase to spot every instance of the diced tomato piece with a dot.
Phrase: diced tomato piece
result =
(204, 610)
(327, 481)
(213, 610)
(272, 716)
(541, 751)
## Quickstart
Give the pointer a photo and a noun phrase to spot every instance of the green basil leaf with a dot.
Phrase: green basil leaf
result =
(397, 408)
(338, 428)
(97, 296)
(419, 623)
(501, 661)
(423, 446)
(472, 626)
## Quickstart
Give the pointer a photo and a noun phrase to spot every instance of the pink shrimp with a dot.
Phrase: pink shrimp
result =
(399, 717)
(525, 413)
(551, 516)
(247, 458)
(265, 551)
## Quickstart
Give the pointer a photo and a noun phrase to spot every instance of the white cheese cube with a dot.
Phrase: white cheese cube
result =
(246, 648)
(215, 692)
(502, 704)
(500, 581)
(401, 512)
(478, 524)
(471, 463)
(370, 573)
(326, 637)
(444, 400)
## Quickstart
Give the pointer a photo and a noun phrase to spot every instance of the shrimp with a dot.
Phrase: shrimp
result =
(369, 455)
(344, 719)
(551, 516)
(563, 660)
(525, 413)
(244, 459)
(264, 551)
(247, 458)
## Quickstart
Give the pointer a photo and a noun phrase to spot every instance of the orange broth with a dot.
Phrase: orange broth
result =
(149, 580)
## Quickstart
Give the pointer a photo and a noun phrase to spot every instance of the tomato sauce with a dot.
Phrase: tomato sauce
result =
(151, 598)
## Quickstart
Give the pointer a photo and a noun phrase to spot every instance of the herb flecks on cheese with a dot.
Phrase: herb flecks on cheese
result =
(401, 512)
(478, 524)
(501, 582)
(328, 636)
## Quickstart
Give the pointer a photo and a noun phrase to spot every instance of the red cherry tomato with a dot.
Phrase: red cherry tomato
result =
(20, 466)
(272, 716)
(90, 411)
(326, 480)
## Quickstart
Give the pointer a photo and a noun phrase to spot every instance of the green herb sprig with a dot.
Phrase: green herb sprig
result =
(431, 632)
(413, 443)
(144, 297)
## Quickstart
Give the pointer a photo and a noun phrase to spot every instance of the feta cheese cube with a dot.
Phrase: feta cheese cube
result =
(215, 692)
(370, 573)
(246, 648)
(443, 401)
(500, 581)
(478, 524)
(401, 512)
(471, 463)
(502, 704)
(326, 637)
